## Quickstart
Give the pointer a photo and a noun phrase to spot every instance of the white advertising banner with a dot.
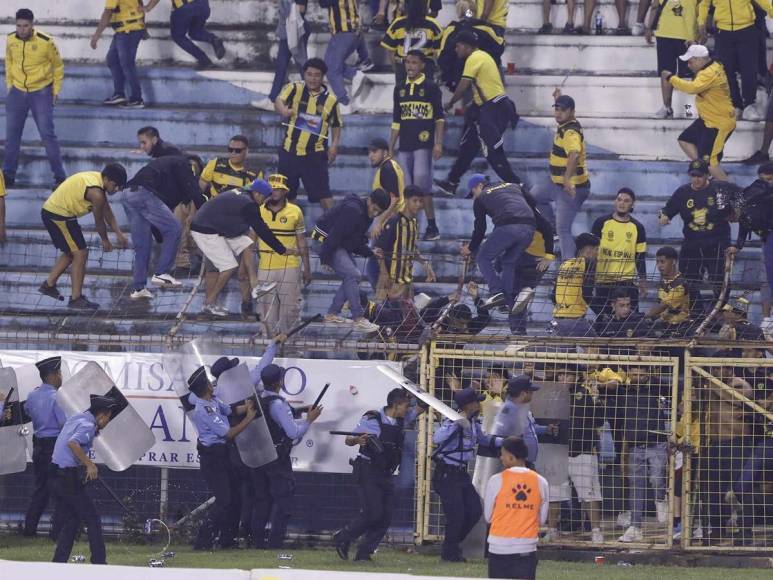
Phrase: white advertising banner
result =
(355, 387)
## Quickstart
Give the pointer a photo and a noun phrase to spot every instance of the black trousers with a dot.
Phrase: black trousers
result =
(699, 257)
(42, 449)
(738, 51)
(216, 469)
(75, 508)
(461, 506)
(243, 495)
(274, 485)
(520, 566)
(376, 491)
(720, 465)
(488, 124)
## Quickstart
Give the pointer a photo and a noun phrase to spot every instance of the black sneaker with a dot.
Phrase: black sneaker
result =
(545, 29)
(247, 310)
(447, 188)
(10, 181)
(569, 29)
(81, 303)
(431, 234)
(342, 548)
(363, 558)
(140, 104)
(493, 301)
(459, 559)
(51, 291)
(205, 65)
(758, 158)
(217, 44)
(114, 100)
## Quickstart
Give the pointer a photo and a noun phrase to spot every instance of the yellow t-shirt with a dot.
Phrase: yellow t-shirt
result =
(676, 295)
(481, 69)
(222, 176)
(2, 185)
(570, 302)
(390, 177)
(69, 199)
(126, 16)
(712, 96)
(620, 243)
(678, 19)
(569, 139)
(498, 14)
(286, 224)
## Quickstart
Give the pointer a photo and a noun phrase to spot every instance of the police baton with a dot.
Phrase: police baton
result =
(322, 394)
(373, 441)
(304, 324)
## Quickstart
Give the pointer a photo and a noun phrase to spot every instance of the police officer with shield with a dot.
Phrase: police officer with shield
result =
(381, 445)
(274, 482)
(47, 422)
(210, 417)
(456, 445)
(68, 480)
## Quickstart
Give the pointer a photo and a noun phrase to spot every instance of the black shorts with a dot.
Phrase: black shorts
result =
(669, 50)
(65, 232)
(710, 142)
(312, 169)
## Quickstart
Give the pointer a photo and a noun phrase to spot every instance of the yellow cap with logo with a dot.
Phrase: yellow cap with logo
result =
(278, 181)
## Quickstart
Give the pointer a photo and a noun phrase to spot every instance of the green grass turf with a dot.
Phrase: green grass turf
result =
(387, 560)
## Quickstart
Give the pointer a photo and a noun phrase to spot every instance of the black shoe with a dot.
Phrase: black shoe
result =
(217, 44)
(431, 234)
(139, 104)
(10, 181)
(758, 158)
(51, 291)
(363, 558)
(458, 559)
(623, 31)
(205, 65)
(114, 100)
(342, 548)
(247, 310)
(81, 303)
(545, 29)
(447, 188)
(493, 301)
(569, 29)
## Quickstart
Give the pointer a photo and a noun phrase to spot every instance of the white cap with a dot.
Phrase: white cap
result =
(695, 51)
(421, 300)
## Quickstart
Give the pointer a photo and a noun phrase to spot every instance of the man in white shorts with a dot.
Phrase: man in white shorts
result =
(220, 228)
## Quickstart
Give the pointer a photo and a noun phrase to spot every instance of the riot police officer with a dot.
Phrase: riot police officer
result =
(456, 445)
(47, 422)
(381, 444)
(274, 482)
(68, 482)
(210, 417)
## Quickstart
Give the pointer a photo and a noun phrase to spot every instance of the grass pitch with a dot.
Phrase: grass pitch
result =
(386, 560)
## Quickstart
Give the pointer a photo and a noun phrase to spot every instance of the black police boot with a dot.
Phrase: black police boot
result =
(342, 546)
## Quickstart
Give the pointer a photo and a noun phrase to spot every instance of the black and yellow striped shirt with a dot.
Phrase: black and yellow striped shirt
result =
(569, 139)
(222, 176)
(398, 241)
(312, 118)
(343, 16)
(391, 178)
(401, 40)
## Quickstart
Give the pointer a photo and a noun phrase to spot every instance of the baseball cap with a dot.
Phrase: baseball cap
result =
(564, 102)
(516, 385)
(223, 364)
(101, 403)
(271, 374)
(261, 187)
(378, 143)
(698, 167)
(278, 181)
(475, 180)
(695, 51)
(466, 396)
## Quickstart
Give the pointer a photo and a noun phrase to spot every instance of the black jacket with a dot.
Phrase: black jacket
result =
(171, 179)
(506, 204)
(345, 226)
(164, 149)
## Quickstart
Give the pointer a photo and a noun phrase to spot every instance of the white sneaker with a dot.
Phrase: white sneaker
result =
(346, 109)
(632, 534)
(262, 289)
(335, 319)
(551, 535)
(751, 113)
(767, 327)
(624, 519)
(697, 532)
(264, 104)
(637, 29)
(522, 300)
(365, 325)
(215, 310)
(596, 536)
(664, 113)
(144, 293)
(165, 280)
(357, 81)
(662, 508)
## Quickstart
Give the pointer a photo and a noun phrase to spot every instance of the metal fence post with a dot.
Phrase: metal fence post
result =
(163, 501)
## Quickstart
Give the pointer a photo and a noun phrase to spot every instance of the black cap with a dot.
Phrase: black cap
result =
(517, 385)
(271, 374)
(198, 380)
(378, 143)
(223, 364)
(698, 167)
(466, 396)
(585, 239)
(564, 102)
(49, 365)
(461, 312)
(99, 403)
(467, 37)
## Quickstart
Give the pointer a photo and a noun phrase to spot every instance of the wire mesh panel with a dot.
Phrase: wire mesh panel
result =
(599, 428)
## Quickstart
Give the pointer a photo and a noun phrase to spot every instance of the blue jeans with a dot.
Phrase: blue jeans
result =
(646, 462)
(767, 254)
(300, 56)
(372, 272)
(17, 105)
(507, 243)
(144, 209)
(121, 61)
(567, 209)
(418, 168)
(349, 290)
(340, 47)
(189, 23)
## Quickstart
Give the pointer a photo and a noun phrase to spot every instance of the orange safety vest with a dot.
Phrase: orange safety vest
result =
(517, 507)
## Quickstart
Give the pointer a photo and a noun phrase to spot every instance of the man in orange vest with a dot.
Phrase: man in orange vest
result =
(515, 504)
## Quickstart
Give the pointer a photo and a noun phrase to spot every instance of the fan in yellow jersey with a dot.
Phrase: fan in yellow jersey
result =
(706, 137)
(313, 120)
(573, 290)
(390, 177)
(78, 195)
(280, 311)
(2, 208)
(413, 32)
(127, 20)
(495, 13)
(224, 173)
(675, 296)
